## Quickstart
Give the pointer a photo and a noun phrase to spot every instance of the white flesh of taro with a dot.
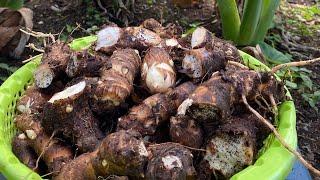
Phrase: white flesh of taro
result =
(199, 36)
(230, 156)
(108, 37)
(184, 106)
(146, 36)
(68, 92)
(160, 77)
(172, 42)
(192, 65)
(171, 162)
(43, 77)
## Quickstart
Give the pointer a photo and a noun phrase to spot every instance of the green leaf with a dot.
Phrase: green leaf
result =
(306, 80)
(230, 19)
(310, 101)
(7, 67)
(272, 55)
(188, 32)
(317, 94)
(291, 85)
(304, 70)
(3, 78)
(12, 4)
(69, 28)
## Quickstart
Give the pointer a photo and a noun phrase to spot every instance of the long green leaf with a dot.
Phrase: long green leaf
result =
(269, 7)
(249, 21)
(12, 4)
(230, 19)
(273, 55)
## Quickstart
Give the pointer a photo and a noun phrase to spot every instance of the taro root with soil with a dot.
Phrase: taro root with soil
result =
(121, 153)
(68, 112)
(204, 124)
(155, 110)
(53, 64)
(208, 55)
(116, 83)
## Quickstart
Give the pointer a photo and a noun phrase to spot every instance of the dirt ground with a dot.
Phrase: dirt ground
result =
(46, 20)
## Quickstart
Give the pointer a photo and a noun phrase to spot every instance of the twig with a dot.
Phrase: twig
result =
(274, 105)
(32, 46)
(297, 46)
(188, 147)
(278, 136)
(238, 64)
(28, 60)
(260, 105)
(39, 34)
(49, 174)
(105, 11)
(292, 64)
(43, 151)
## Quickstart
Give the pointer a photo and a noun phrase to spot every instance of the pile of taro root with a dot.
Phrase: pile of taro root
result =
(144, 103)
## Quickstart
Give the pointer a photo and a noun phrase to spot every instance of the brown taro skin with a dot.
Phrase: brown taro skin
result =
(155, 110)
(56, 153)
(22, 149)
(32, 101)
(167, 32)
(84, 64)
(186, 131)
(170, 161)
(113, 38)
(200, 63)
(116, 83)
(73, 118)
(226, 48)
(211, 101)
(122, 153)
(79, 168)
(53, 64)
(146, 117)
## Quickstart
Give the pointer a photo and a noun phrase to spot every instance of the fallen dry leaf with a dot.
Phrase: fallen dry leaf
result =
(12, 41)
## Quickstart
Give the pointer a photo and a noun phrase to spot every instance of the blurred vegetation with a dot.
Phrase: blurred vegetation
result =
(12, 4)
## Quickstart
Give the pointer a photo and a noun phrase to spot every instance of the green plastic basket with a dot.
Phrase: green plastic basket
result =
(274, 162)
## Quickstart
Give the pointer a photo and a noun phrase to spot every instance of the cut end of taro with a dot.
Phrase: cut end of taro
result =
(182, 109)
(160, 77)
(192, 66)
(228, 154)
(200, 37)
(172, 42)
(146, 36)
(108, 37)
(43, 77)
(69, 92)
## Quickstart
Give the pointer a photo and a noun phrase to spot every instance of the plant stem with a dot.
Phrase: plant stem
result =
(269, 7)
(230, 19)
(294, 64)
(249, 21)
(279, 137)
